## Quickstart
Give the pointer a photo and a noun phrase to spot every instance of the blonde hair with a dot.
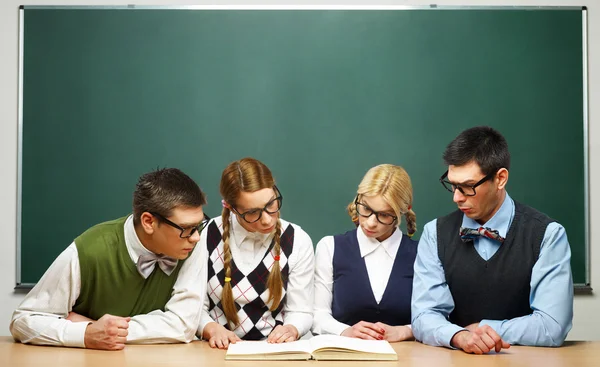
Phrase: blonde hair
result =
(246, 175)
(393, 184)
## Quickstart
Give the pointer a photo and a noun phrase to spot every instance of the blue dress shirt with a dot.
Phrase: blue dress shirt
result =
(551, 296)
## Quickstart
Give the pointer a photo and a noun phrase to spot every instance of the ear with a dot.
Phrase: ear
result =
(147, 221)
(502, 177)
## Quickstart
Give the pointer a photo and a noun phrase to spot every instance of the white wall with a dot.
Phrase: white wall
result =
(587, 308)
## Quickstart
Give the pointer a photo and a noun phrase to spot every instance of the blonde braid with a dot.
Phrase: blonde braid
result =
(227, 301)
(275, 282)
(351, 209)
(411, 222)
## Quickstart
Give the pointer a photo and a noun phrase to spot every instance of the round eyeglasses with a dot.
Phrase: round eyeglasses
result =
(383, 218)
(272, 207)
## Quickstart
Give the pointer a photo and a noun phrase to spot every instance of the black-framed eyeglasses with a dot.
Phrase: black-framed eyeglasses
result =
(185, 232)
(272, 207)
(364, 211)
(466, 190)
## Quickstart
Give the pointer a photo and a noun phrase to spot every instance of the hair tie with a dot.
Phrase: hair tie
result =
(227, 279)
(409, 207)
(410, 235)
(224, 203)
(276, 257)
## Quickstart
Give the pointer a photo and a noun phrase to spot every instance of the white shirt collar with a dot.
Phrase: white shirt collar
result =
(132, 242)
(368, 244)
(240, 234)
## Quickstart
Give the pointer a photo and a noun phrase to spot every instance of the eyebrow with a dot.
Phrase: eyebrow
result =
(469, 182)
(250, 209)
(388, 211)
(190, 225)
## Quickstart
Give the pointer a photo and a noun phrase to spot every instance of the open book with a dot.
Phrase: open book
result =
(322, 347)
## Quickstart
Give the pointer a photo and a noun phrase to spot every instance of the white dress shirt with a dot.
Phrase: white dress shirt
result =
(40, 319)
(379, 259)
(249, 248)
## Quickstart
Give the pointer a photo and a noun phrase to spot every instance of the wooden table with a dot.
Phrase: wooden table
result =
(580, 354)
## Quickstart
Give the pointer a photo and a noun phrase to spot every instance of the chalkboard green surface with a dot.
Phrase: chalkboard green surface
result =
(319, 95)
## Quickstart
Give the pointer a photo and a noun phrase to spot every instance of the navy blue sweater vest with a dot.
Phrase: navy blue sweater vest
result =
(353, 298)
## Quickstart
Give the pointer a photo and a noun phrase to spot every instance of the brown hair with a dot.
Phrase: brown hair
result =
(163, 190)
(393, 184)
(246, 175)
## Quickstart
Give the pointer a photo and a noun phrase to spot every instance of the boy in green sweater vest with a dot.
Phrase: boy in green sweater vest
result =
(136, 279)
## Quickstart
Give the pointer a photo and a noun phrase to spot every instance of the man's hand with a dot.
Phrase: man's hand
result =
(395, 333)
(75, 317)
(108, 333)
(479, 340)
(283, 334)
(218, 336)
(365, 330)
(472, 327)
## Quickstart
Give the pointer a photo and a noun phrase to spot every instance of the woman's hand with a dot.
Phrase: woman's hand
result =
(283, 334)
(218, 336)
(396, 333)
(365, 330)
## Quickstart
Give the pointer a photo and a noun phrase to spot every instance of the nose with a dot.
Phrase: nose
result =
(372, 220)
(265, 218)
(195, 237)
(458, 197)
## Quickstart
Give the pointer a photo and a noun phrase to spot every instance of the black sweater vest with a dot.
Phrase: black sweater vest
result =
(499, 288)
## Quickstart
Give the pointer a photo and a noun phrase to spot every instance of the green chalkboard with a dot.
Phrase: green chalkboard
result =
(319, 95)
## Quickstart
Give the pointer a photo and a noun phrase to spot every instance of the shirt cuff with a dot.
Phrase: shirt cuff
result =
(445, 334)
(301, 321)
(204, 320)
(338, 328)
(494, 324)
(75, 334)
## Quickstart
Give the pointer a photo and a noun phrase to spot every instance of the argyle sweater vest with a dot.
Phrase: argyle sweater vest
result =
(250, 291)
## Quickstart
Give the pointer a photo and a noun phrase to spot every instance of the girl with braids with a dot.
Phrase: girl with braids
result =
(363, 278)
(260, 267)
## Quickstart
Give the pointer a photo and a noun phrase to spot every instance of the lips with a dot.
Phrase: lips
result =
(268, 230)
(369, 232)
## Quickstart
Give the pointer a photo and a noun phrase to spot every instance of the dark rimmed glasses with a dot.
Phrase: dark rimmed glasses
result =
(466, 190)
(185, 232)
(272, 207)
(364, 211)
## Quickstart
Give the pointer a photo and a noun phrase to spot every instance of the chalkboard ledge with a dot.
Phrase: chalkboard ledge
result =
(583, 289)
(579, 289)
(23, 287)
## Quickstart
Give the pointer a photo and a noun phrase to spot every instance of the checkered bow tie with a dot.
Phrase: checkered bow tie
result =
(469, 234)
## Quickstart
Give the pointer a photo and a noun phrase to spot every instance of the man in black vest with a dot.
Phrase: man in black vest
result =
(495, 272)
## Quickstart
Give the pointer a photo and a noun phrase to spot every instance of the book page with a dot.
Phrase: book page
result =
(262, 347)
(321, 342)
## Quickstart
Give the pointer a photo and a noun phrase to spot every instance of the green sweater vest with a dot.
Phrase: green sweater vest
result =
(110, 282)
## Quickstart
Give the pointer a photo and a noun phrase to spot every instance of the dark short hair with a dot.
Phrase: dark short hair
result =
(163, 190)
(481, 144)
